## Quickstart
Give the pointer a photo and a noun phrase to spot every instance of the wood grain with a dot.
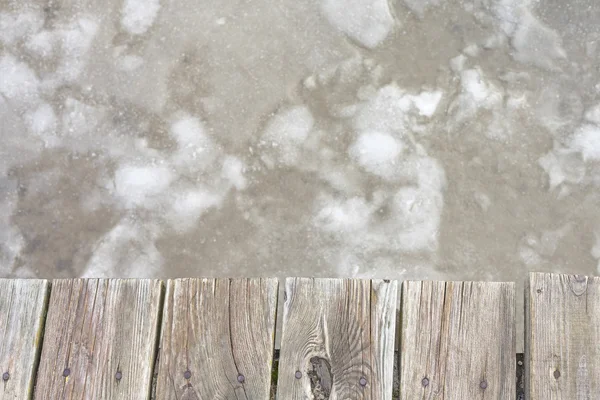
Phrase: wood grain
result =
(97, 331)
(562, 337)
(22, 311)
(458, 341)
(338, 339)
(217, 339)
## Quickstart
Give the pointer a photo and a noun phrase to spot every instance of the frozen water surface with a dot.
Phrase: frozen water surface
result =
(434, 139)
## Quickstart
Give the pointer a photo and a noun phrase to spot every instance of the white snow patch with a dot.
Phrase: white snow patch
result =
(129, 62)
(593, 114)
(135, 185)
(126, 251)
(476, 93)
(41, 44)
(42, 122)
(74, 40)
(420, 6)
(15, 26)
(457, 64)
(195, 149)
(79, 118)
(377, 153)
(17, 80)
(586, 139)
(366, 21)
(189, 205)
(536, 44)
(562, 165)
(139, 15)
(418, 212)
(385, 112)
(286, 132)
(347, 216)
(233, 171)
(427, 102)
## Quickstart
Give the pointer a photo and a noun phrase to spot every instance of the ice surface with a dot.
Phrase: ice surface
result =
(357, 138)
(419, 7)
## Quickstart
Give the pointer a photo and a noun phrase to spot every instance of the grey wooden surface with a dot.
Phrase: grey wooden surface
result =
(217, 339)
(22, 310)
(98, 331)
(562, 337)
(338, 339)
(458, 341)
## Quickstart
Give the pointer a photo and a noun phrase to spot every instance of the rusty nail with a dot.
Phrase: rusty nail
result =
(556, 374)
(483, 385)
(187, 374)
(118, 375)
(425, 382)
(241, 378)
(5, 376)
(66, 372)
(363, 381)
(298, 374)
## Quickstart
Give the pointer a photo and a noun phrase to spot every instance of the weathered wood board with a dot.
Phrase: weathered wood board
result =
(562, 337)
(100, 339)
(217, 339)
(338, 339)
(22, 311)
(458, 341)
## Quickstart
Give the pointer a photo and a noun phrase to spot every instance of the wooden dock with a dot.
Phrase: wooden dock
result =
(189, 339)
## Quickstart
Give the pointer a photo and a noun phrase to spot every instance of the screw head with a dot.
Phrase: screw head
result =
(425, 382)
(483, 385)
(298, 374)
(66, 372)
(187, 374)
(363, 381)
(241, 378)
(118, 375)
(5, 376)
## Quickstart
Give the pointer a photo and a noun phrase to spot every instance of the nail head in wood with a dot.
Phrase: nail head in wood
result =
(66, 372)
(241, 378)
(483, 385)
(363, 381)
(118, 375)
(556, 374)
(298, 374)
(425, 382)
(187, 374)
(5, 376)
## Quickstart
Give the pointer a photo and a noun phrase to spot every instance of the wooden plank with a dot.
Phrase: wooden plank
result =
(217, 339)
(22, 311)
(338, 339)
(458, 341)
(100, 339)
(562, 337)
